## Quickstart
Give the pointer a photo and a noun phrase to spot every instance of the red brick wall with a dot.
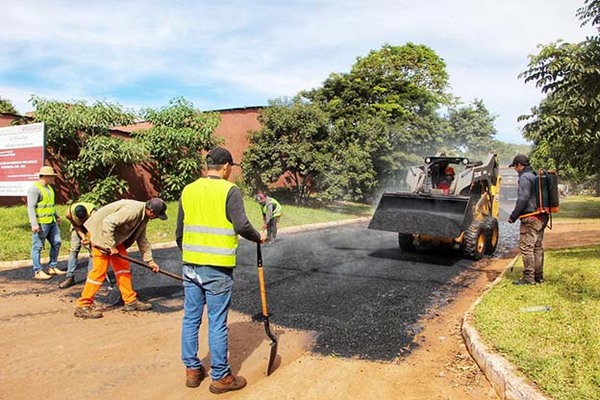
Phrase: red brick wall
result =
(234, 127)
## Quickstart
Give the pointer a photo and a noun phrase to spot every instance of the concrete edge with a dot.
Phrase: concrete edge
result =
(501, 373)
(7, 265)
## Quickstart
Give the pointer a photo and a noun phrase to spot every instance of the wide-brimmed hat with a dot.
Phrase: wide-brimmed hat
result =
(46, 171)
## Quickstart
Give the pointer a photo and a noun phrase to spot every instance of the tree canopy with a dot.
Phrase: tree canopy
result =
(6, 106)
(369, 124)
(178, 135)
(565, 126)
(78, 138)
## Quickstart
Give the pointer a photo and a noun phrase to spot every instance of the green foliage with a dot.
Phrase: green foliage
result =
(292, 143)
(472, 128)
(7, 107)
(176, 140)
(78, 138)
(383, 117)
(94, 168)
(565, 126)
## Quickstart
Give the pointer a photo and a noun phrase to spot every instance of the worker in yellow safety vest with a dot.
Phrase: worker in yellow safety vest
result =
(210, 218)
(45, 223)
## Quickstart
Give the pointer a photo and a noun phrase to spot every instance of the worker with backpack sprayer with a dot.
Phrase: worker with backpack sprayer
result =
(537, 199)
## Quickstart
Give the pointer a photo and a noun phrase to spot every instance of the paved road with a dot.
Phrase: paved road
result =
(353, 286)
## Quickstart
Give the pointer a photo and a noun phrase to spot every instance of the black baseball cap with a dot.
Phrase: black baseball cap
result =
(219, 156)
(158, 206)
(520, 159)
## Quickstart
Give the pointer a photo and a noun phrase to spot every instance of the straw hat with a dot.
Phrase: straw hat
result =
(47, 171)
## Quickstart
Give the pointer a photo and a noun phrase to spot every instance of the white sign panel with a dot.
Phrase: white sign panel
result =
(21, 157)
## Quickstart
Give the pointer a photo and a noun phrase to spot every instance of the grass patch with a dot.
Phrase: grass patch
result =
(17, 232)
(573, 207)
(558, 349)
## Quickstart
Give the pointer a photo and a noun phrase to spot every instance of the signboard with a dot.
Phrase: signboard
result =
(21, 157)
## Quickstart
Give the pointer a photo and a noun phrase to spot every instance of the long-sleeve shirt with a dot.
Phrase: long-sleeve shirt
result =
(235, 212)
(526, 195)
(122, 222)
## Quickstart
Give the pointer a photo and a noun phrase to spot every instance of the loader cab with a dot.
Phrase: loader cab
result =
(436, 178)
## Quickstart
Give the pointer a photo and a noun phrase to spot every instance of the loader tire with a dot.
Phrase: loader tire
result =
(491, 237)
(474, 241)
(406, 242)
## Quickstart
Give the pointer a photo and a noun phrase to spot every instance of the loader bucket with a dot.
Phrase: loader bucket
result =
(431, 215)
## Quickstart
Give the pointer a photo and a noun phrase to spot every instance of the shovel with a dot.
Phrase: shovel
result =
(141, 263)
(265, 309)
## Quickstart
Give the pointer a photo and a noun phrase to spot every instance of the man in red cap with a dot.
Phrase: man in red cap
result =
(447, 181)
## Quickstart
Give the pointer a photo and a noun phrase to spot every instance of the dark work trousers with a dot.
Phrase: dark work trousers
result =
(272, 228)
(531, 235)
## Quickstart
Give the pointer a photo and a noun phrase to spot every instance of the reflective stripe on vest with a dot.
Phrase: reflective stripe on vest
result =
(44, 209)
(208, 237)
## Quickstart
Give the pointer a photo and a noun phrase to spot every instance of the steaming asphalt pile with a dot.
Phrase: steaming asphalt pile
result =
(354, 287)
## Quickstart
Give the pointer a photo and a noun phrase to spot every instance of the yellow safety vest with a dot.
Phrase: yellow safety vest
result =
(208, 237)
(277, 209)
(44, 209)
(89, 207)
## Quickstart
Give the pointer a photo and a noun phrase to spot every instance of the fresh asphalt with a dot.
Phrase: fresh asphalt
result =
(354, 287)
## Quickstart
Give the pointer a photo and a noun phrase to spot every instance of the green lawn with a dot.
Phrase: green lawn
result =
(17, 232)
(558, 349)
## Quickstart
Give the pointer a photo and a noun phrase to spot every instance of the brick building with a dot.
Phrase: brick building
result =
(233, 128)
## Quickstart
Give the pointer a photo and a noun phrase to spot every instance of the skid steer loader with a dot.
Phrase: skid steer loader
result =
(465, 215)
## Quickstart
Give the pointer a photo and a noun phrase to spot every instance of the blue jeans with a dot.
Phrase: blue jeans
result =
(210, 286)
(49, 232)
(75, 248)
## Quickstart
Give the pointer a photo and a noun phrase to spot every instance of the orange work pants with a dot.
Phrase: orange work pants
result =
(97, 275)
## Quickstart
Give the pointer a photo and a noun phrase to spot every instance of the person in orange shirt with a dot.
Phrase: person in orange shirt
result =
(447, 181)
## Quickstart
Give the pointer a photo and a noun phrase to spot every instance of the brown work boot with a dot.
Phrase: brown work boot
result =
(137, 305)
(70, 281)
(41, 276)
(193, 376)
(87, 312)
(227, 383)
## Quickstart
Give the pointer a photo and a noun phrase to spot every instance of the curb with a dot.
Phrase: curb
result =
(7, 265)
(501, 373)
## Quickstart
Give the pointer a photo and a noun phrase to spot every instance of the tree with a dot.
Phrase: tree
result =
(291, 143)
(7, 107)
(178, 135)
(471, 129)
(385, 111)
(565, 126)
(78, 139)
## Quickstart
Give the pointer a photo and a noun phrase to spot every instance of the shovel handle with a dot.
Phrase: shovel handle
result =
(141, 263)
(261, 282)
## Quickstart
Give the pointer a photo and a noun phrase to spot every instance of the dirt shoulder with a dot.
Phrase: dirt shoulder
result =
(46, 352)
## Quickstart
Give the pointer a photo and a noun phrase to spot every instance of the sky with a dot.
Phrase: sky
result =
(243, 53)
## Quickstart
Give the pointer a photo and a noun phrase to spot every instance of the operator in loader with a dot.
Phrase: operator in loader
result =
(533, 223)
(446, 182)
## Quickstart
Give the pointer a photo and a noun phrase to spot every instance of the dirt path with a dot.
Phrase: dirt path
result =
(46, 352)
